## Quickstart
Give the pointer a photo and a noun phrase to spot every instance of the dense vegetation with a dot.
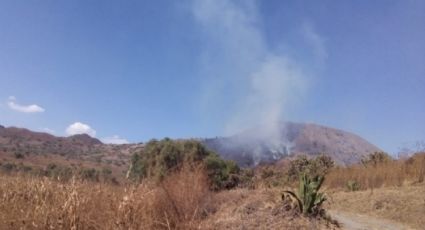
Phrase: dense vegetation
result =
(160, 158)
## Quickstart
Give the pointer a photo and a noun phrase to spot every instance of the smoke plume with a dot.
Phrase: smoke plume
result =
(249, 82)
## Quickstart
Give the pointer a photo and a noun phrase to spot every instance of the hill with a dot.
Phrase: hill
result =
(37, 150)
(250, 148)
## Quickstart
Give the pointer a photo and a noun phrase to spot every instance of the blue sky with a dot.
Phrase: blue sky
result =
(151, 69)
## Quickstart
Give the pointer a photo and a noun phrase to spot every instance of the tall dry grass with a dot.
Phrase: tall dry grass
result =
(391, 173)
(180, 202)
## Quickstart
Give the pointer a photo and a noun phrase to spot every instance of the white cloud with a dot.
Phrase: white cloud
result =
(80, 128)
(24, 108)
(115, 139)
(47, 130)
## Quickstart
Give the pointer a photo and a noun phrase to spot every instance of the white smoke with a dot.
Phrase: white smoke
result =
(408, 149)
(257, 82)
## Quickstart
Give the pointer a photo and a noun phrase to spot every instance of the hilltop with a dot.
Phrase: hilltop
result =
(250, 148)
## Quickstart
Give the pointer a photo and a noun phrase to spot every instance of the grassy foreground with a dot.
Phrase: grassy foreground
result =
(181, 201)
(184, 199)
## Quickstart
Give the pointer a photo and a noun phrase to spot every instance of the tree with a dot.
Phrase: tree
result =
(160, 158)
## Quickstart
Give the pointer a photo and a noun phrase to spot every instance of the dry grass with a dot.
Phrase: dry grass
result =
(258, 209)
(405, 204)
(392, 190)
(392, 173)
(40, 203)
(181, 201)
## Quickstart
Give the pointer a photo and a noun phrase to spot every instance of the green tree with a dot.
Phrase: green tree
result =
(159, 158)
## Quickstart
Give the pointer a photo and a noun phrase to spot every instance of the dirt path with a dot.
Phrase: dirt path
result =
(351, 221)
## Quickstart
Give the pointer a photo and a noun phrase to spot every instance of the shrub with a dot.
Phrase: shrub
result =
(353, 186)
(318, 166)
(222, 174)
(268, 176)
(8, 167)
(322, 164)
(106, 174)
(19, 156)
(298, 166)
(376, 158)
(160, 158)
(90, 174)
(61, 173)
(246, 177)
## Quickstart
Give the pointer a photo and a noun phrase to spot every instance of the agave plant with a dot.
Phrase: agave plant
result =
(309, 199)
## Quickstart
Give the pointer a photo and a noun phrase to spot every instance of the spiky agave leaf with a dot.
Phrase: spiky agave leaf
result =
(308, 193)
(320, 198)
(291, 194)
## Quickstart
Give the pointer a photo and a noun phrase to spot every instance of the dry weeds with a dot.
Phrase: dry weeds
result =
(392, 173)
(40, 203)
(258, 209)
(405, 204)
(181, 201)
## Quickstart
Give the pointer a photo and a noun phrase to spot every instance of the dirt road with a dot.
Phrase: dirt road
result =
(351, 221)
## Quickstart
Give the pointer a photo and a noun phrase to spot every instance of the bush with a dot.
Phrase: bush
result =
(19, 156)
(353, 186)
(89, 174)
(61, 173)
(106, 174)
(137, 167)
(160, 158)
(222, 174)
(318, 166)
(8, 167)
(246, 178)
(376, 158)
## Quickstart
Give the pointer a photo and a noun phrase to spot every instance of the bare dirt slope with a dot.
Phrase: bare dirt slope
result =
(352, 221)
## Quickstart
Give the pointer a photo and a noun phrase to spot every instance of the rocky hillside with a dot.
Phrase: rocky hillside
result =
(37, 150)
(249, 148)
